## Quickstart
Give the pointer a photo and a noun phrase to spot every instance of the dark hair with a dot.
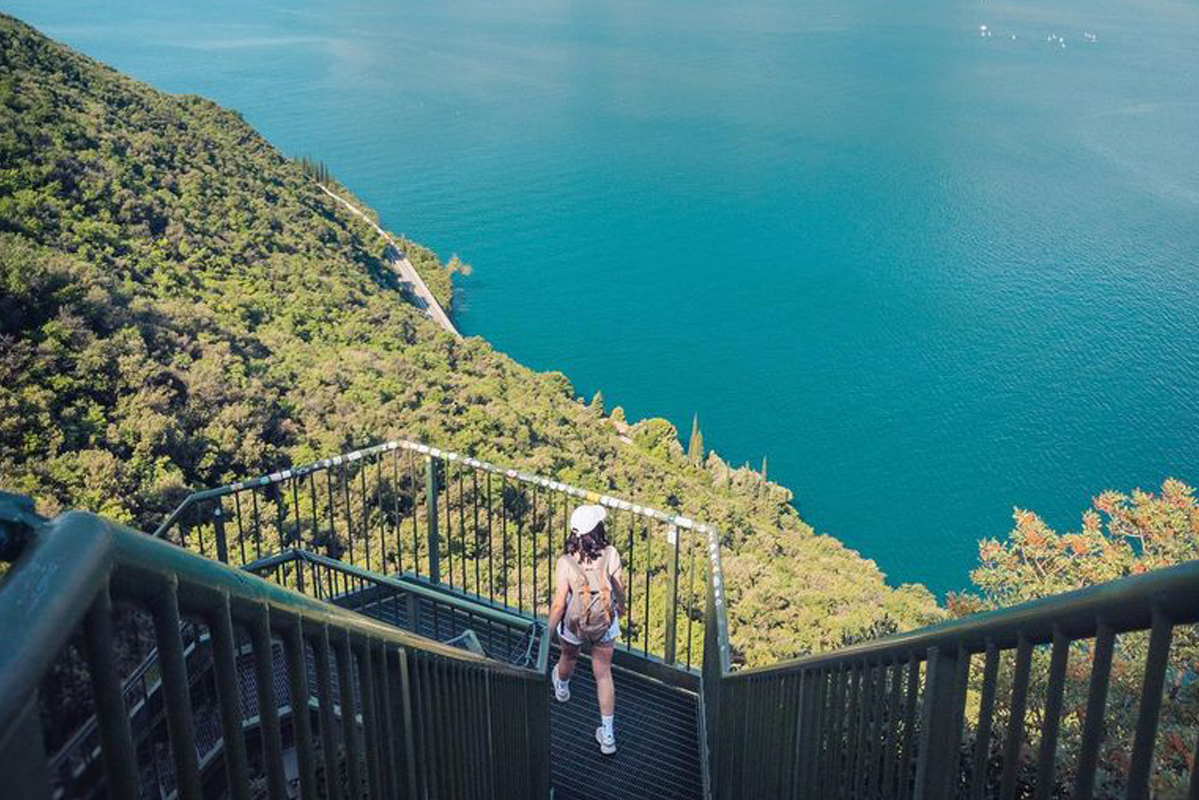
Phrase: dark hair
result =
(589, 546)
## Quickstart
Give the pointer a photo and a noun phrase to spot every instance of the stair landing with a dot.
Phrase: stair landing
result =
(657, 741)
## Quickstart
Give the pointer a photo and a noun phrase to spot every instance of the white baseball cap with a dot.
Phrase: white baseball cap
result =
(584, 519)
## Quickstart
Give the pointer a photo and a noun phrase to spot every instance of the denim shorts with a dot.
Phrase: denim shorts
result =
(610, 636)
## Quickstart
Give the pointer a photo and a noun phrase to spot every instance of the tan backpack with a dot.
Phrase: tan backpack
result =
(589, 614)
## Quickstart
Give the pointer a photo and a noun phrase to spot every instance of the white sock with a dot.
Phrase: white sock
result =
(558, 681)
(606, 720)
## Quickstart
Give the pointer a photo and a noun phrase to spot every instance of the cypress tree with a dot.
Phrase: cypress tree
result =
(695, 448)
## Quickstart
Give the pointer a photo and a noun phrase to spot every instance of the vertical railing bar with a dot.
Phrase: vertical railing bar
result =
(462, 529)
(865, 698)
(672, 605)
(1052, 716)
(986, 712)
(259, 630)
(116, 740)
(454, 710)
(550, 548)
(349, 722)
(224, 646)
(474, 496)
(831, 766)
(397, 520)
(632, 573)
(380, 514)
(533, 537)
(345, 486)
(329, 737)
(434, 544)
(366, 511)
(241, 535)
(257, 525)
(387, 730)
(912, 696)
(520, 543)
(891, 747)
(1015, 732)
(477, 766)
(332, 512)
(316, 524)
(298, 539)
(797, 774)
(820, 757)
(645, 634)
(937, 757)
(1156, 661)
(408, 723)
(296, 658)
(280, 531)
(430, 728)
(504, 524)
(415, 515)
(693, 537)
(447, 465)
(443, 744)
(877, 733)
(462, 726)
(173, 667)
(490, 543)
(961, 687)
(1093, 728)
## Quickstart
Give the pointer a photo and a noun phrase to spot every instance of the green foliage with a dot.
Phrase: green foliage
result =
(183, 307)
(1120, 535)
(315, 170)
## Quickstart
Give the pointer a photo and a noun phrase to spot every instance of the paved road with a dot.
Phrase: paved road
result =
(422, 297)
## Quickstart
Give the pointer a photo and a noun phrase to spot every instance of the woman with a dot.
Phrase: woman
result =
(588, 602)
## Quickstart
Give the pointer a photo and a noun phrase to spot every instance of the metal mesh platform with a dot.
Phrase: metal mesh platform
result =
(657, 740)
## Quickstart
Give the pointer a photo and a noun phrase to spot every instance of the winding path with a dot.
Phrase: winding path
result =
(421, 296)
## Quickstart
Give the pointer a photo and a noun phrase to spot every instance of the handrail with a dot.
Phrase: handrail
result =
(1122, 605)
(417, 447)
(442, 520)
(78, 564)
(888, 718)
(408, 586)
(411, 585)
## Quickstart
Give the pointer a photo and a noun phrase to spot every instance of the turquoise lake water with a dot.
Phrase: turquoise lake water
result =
(931, 274)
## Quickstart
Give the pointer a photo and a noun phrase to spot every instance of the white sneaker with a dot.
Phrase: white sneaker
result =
(607, 743)
(561, 688)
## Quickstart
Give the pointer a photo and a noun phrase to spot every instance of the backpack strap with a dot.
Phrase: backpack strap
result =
(580, 585)
(605, 583)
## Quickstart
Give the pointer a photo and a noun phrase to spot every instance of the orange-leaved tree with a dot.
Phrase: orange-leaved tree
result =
(1121, 535)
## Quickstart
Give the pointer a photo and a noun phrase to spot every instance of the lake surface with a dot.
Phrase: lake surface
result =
(931, 274)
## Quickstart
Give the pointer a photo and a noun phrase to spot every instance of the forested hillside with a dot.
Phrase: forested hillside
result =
(180, 306)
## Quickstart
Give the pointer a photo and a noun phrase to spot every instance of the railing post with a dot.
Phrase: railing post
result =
(672, 605)
(431, 512)
(26, 772)
(937, 762)
(218, 522)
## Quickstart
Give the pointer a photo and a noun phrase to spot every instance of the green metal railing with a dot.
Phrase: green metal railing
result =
(491, 533)
(390, 714)
(415, 536)
(409, 604)
(889, 718)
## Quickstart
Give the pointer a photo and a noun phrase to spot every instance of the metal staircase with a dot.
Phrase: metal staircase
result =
(402, 591)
